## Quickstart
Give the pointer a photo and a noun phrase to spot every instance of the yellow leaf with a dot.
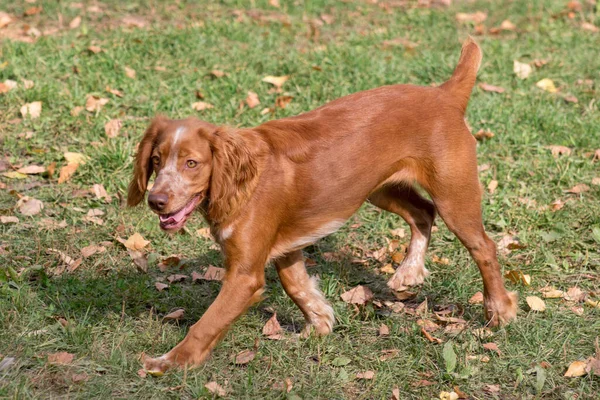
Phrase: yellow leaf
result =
(577, 368)
(535, 303)
(75, 158)
(547, 85)
(136, 242)
(67, 172)
(276, 81)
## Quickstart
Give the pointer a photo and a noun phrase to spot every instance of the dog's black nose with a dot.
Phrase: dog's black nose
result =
(157, 201)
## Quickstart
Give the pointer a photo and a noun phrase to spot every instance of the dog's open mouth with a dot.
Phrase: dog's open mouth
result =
(177, 219)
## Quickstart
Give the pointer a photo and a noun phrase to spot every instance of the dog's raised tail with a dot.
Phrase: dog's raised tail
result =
(462, 81)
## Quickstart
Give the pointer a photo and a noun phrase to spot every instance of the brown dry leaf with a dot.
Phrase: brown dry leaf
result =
(547, 85)
(274, 3)
(358, 295)
(244, 357)
(428, 325)
(142, 373)
(75, 22)
(283, 101)
(217, 73)
(116, 92)
(367, 375)
(576, 369)
(387, 269)
(92, 249)
(161, 286)
(112, 128)
(130, 72)
(507, 25)
(196, 276)
(535, 303)
(201, 106)
(492, 347)
(95, 49)
(136, 242)
(477, 298)
(399, 42)
(430, 338)
(399, 232)
(575, 294)
(578, 189)
(593, 364)
(95, 103)
(214, 274)
(5, 19)
(557, 205)
(27, 84)
(205, 233)
(577, 310)
(276, 81)
(517, 276)
(133, 21)
(175, 315)
(139, 259)
(559, 150)
(396, 393)
(77, 378)
(454, 329)
(32, 169)
(384, 330)
(76, 111)
(252, 99)
(61, 357)
(438, 260)
(589, 27)
(491, 88)
(508, 243)
(483, 134)
(29, 206)
(476, 17)
(8, 219)
(491, 388)
(33, 110)
(551, 293)
(67, 172)
(272, 326)
(492, 186)
(522, 70)
(176, 278)
(100, 192)
(215, 388)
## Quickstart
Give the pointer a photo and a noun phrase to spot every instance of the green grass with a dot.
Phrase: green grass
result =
(114, 313)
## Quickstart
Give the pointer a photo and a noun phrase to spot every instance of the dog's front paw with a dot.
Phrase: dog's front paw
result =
(156, 366)
(407, 276)
(501, 311)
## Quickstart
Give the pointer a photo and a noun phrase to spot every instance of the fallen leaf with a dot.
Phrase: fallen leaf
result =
(507, 25)
(384, 330)
(92, 249)
(535, 303)
(440, 260)
(244, 357)
(112, 128)
(136, 242)
(547, 85)
(517, 276)
(214, 274)
(400, 42)
(95, 103)
(448, 396)
(596, 181)
(76, 111)
(139, 259)
(133, 21)
(130, 72)
(77, 378)
(551, 293)
(476, 17)
(387, 269)
(67, 172)
(142, 373)
(5, 19)
(176, 278)
(589, 27)
(272, 326)
(61, 357)
(274, 3)
(217, 73)
(492, 186)
(100, 192)
(367, 375)
(72, 157)
(32, 169)
(201, 106)
(428, 325)
(477, 298)
(396, 393)
(576, 369)
(557, 205)
(557, 150)
(29, 206)
(483, 134)
(252, 100)
(577, 310)
(454, 329)
(175, 315)
(571, 99)
(578, 189)
(8, 219)
(215, 388)
(95, 49)
(116, 92)
(283, 101)
(491, 388)
(276, 81)
(575, 294)
(358, 295)
(33, 110)
(14, 175)
(491, 88)
(492, 347)
(522, 70)
(68, 261)
(75, 22)
(161, 286)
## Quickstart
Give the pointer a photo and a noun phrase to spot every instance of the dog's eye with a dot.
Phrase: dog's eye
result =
(191, 164)
(155, 160)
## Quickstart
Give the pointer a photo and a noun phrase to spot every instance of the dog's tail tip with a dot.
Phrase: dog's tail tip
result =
(463, 79)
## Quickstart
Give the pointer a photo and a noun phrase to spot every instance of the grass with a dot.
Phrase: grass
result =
(114, 313)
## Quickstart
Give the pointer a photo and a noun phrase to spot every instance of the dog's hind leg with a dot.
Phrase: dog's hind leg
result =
(304, 291)
(419, 213)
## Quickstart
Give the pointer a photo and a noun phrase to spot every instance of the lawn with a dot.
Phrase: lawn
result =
(72, 329)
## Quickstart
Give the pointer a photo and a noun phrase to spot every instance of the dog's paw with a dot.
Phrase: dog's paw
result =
(501, 312)
(407, 276)
(156, 366)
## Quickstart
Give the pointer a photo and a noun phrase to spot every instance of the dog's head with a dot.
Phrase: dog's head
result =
(192, 160)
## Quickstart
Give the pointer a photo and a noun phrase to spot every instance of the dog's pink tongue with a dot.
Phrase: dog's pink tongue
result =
(173, 218)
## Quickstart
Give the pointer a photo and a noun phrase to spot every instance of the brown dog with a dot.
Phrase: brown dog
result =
(267, 192)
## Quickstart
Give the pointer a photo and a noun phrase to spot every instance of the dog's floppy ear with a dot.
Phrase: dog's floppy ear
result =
(234, 171)
(142, 169)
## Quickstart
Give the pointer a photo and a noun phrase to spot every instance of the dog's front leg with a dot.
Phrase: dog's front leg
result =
(242, 286)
